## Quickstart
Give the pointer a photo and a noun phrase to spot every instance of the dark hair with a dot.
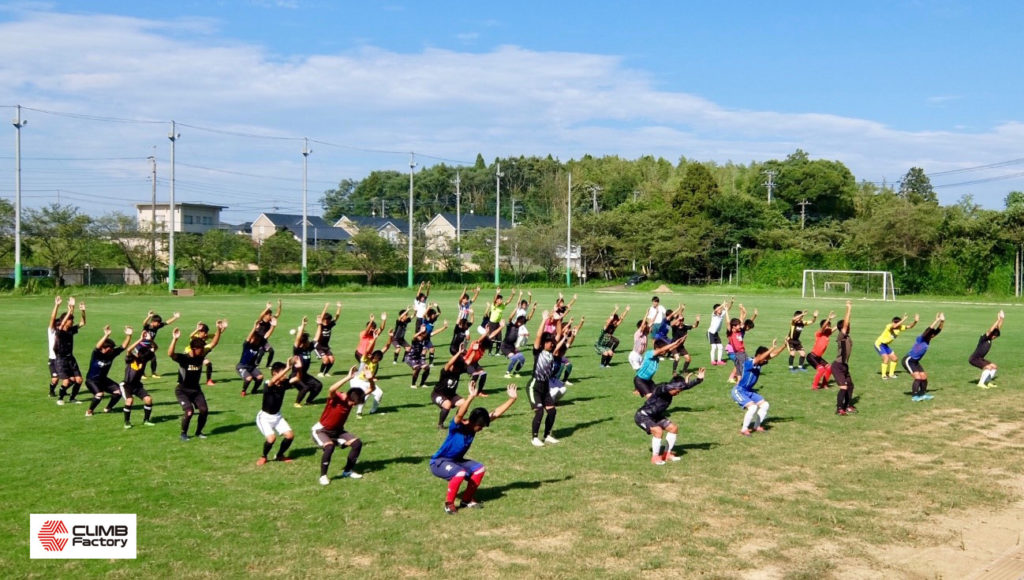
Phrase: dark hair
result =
(480, 417)
(748, 324)
(995, 332)
(929, 333)
(715, 307)
(841, 325)
(655, 299)
(547, 337)
(896, 319)
(822, 323)
(377, 354)
(327, 317)
(795, 312)
(421, 296)
(108, 343)
(521, 320)
(156, 319)
(659, 343)
(430, 312)
(463, 324)
(498, 297)
(401, 312)
(760, 350)
(202, 326)
(356, 395)
(277, 367)
(197, 343)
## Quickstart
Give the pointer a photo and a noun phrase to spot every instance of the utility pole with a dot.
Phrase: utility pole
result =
(152, 223)
(173, 136)
(305, 219)
(770, 183)
(497, 224)
(568, 235)
(803, 211)
(593, 191)
(412, 166)
(458, 218)
(18, 124)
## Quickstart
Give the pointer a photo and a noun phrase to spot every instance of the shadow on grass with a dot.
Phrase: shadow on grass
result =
(566, 431)
(769, 422)
(229, 428)
(687, 447)
(493, 493)
(574, 400)
(395, 408)
(380, 464)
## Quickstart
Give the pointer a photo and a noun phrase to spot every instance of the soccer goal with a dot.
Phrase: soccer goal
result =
(852, 283)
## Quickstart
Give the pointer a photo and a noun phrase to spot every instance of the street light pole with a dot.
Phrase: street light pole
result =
(305, 219)
(412, 166)
(152, 224)
(18, 124)
(738, 264)
(497, 225)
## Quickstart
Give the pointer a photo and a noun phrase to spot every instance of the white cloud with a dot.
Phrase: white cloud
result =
(443, 103)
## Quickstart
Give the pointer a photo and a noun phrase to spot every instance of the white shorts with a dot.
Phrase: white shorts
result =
(635, 359)
(360, 383)
(269, 424)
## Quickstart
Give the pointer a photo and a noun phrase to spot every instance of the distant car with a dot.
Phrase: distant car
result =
(635, 279)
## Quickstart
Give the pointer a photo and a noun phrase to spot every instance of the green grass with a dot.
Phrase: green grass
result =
(815, 488)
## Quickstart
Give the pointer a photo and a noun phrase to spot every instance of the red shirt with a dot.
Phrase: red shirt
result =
(474, 353)
(821, 342)
(736, 340)
(335, 412)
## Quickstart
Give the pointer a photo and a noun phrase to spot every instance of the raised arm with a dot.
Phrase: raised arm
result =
(53, 315)
(511, 390)
(81, 309)
(743, 313)
(127, 337)
(846, 319)
(814, 317)
(769, 354)
(221, 325)
(278, 313)
(175, 335)
(440, 330)
(273, 326)
(998, 324)
(341, 382)
(176, 316)
(106, 335)
(669, 347)
(300, 330)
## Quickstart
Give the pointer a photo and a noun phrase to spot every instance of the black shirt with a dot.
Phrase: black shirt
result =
(657, 404)
(100, 363)
(64, 345)
(273, 397)
(190, 371)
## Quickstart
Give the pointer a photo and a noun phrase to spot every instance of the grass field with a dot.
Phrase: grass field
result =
(815, 496)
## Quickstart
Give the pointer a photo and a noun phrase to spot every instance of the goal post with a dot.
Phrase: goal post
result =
(873, 284)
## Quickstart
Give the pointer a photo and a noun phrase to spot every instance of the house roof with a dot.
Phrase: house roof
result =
(317, 229)
(377, 223)
(472, 222)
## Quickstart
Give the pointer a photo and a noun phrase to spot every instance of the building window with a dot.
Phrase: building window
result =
(207, 221)
(187, 220)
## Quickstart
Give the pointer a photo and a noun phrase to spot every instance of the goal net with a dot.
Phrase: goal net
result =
(850, 283)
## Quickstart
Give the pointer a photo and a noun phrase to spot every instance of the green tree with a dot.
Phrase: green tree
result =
(338, 201)
(373, 254)
(828, 187)
(697, 190)
(60, 236)
(6, 230)
(134, 247)
(278, 253)
(206, 252)
(915, 187)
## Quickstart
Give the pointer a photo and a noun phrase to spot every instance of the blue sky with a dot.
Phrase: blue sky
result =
(880, 86)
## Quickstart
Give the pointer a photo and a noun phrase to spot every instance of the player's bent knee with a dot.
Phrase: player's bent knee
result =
(672, 428)
(289, 435)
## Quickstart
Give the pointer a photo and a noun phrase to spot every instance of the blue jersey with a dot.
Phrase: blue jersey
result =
(919, 349)
(661, 331)
(751, 373)
(249, 354)
(648, 366)
(460, 438)
(100, 363)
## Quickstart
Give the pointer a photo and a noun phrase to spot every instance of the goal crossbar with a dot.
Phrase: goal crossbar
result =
(809, 285)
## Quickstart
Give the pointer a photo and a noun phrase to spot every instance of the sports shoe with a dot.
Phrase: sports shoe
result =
(550, 439)
(60, 402)
(88, 413)
(508, 375)
(127, 425)
(244, 393)
(745, 432)
(412, 386)
(851, 409)
(351, 475)
(154, 376)
(927, 397)
(74, 401)
(201, 435)
(567, 383)
(537, 442)
(885, 377)
(990, 386)
(297, 405)
(669, 456)
(759, 429)
(657, 460)
(982, 386)
(324, 480)
(840, 411)
(284, 459)
(802, 369)
(184, 437)
(210, 383)
(815, 387)
(792, 369)
(261, 461)
(450, 509)
(107, 409)
(472, 504)
(148, 424)
(319, 374)
(916, 398)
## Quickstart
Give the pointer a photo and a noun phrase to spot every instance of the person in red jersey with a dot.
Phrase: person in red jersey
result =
(330, 432)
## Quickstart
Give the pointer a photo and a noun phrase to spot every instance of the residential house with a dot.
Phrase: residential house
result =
(191, 218)
(318, 231)
(388, 228)
(440, 231)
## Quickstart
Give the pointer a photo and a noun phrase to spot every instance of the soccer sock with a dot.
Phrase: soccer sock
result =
(538, 415)
(323, 368)
(550, 421)
(790, 361)
(686, 365)
(802, 359)
(95, 403)
(285, 444)
(202, 422)
(670, 442)
(885, 366)
(675, 365)
(424, 375)
(270, 357)
(209, 372)
(430, 358)
(415, 375)
(53, 388)
(63, 393)
(992, 374)
(841, 398)
(453, 486)
(892, 368)
(915, 387)
(817, 377)
(185, 420)
(147, 411)
(396, 355)
(762, 412)
(154, 366)
(749, 416)
(828, 374)
(567, 371)
(328, 368)
(474, 483)
(353, 454)
(267, 445)
(359, 409)
(924, 387)
(74, 390)
(377, 396)
(325, 460)
(113, 401)
(655, 446)
(849, 396)
(127, 414)
(442, 416)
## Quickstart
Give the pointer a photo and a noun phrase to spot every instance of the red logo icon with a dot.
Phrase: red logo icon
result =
(48, 535)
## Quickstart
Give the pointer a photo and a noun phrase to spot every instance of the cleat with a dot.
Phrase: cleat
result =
(537, 442)
(184, 437)
(567, 383)
(284, 459)
(261, 461)
(840, 411)
(297, 405)
(74, 402)
(244, 393)
(319, 374)
(201, 435)
(990, 386)
(324, 480)
(508, 375)
(669, 456)
(449, 508)
(815, 387)
(927, 397)
(107, 409)
(127, 425)
(210, 383)
(412, 386)
(851, 410)
(759, 429)
(916, 398)
(351, 475)
(154, 376)
(359, 415)
(657, 460)
(60, 402)
(88, 413)
(472, 504)
(792, 369)
(745, 432)
(148, 424)
(550, 439)
(885, 377)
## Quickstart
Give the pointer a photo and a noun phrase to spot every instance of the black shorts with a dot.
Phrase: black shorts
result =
(102, 385)
(249, 372)
(646, 422)
(794, 344)
(912, 365)
(816, 361)
(191, 399)
(681, 351)
(643, 386)
(741, 357)
(323, 350)
(979, 362)
(52, 363)
(841, 373)
(322, 437)
(540, 394)
(438, 398)
(132, 390)
(713, 338)
(67, 367)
